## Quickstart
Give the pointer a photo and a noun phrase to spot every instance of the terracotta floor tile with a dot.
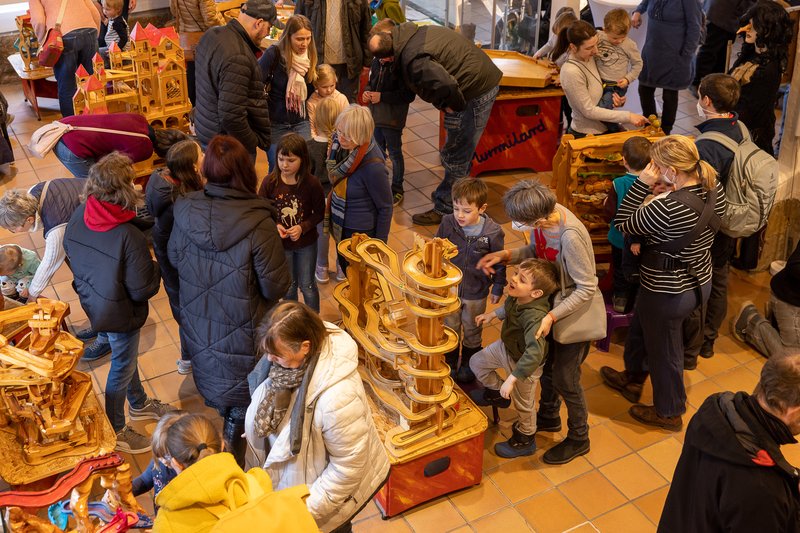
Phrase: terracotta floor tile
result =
(697, 394)
(606, 446)
(479, 501)
(605, 403)
(520, 479)
(586, 527)
(739, 352)
(663, 456)
(504, 521)
(592, 494)
(377, 525)
(623, 520)
(550, 512)
(716, 365)
(557, 474)
(158, 362)
(653, 503)
(170, 387)
(635, 434)
(738, 379)
(154, 336)
(440, 515)
(633, 476)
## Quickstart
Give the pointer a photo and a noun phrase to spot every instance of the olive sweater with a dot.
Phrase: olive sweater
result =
(520, 324)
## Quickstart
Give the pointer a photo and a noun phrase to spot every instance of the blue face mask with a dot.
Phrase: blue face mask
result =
(375, 4)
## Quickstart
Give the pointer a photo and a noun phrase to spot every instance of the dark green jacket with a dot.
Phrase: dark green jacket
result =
(520, 323)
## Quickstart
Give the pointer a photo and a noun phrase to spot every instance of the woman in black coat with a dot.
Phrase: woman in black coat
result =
(232, 269)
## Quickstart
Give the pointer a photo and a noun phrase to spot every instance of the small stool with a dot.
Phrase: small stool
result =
(614, 320)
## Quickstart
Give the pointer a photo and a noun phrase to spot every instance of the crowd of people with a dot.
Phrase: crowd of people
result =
(235, 256)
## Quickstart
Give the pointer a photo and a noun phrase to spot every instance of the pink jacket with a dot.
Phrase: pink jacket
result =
(79, 14)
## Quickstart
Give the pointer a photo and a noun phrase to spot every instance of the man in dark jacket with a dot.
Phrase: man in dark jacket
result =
(718, 96)
(114, 278)
(731, 475)
(722, 21)
(447, 70)
(230, 92)
(340, 29)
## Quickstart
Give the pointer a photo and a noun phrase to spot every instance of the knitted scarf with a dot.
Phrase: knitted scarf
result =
(339, 172)
(281, 384)
(296, 89)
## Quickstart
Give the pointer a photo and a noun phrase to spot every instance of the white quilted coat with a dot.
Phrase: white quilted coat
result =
(342, 459)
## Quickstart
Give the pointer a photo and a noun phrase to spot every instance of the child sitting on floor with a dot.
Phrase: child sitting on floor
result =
(519, 352)
(17, 267)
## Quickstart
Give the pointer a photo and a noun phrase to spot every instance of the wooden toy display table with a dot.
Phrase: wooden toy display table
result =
(525, 123)
(35, 82)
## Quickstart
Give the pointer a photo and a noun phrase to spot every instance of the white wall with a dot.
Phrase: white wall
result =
(10, 9)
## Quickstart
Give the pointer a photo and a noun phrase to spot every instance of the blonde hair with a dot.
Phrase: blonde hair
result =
(10, 259)
(328, 110)
(680, 153)
(617, 21)
(192, 437)
(111, 180)
(116, 5)
(159, 440)
(325, 74)
(294, 24)
(356, 123)
(16, 207)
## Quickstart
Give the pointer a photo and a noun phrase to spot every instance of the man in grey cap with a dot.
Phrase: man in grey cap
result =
(230, 92)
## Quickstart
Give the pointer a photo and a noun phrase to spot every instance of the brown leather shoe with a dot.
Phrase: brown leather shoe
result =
(646, 414)
(621, 381)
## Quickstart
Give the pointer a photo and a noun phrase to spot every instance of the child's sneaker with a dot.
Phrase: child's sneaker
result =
(322, 274)
(489, 398)
(184, 367)
(517, 446)
(397, 199)
(340, 275)
(131, 441)
(151, 410)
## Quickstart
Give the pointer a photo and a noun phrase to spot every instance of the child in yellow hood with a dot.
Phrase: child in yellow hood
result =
(211, 493)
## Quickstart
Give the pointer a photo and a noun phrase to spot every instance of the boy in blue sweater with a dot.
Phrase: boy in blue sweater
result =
(475, 235)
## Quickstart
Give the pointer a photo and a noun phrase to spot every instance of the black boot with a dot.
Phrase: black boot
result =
(451, 358)
(465, 374)
(232, 431)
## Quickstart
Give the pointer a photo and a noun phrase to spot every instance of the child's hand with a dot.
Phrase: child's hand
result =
(618, 100)
(508, 386)
(494, 298)
(294, 232)
(623, 83)
(485, 318)
(282, 231)
(636, 248)
(544, 326)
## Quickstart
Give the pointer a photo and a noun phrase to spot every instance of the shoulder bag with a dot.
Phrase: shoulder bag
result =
(50, 51)
(44, 139)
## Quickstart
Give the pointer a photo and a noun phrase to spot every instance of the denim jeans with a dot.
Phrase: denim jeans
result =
(123, 377)
(463, 322)
(562, 379)
(323, 245)
(279, 130)
(79, 47)
(464, 130)
(779, 338)
(301, 263)
(607, 102)
(391, 140)
(79, 166)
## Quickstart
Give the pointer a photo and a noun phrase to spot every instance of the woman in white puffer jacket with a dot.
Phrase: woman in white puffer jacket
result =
(329, 441)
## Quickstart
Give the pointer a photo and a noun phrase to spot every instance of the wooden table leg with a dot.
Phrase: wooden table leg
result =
(29, 89)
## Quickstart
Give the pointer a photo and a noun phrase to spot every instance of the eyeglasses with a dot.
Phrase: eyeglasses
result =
(341, 134)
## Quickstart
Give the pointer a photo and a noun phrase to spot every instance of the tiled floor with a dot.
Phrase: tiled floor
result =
(619, 486)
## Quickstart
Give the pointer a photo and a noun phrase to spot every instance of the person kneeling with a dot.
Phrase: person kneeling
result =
(520, 352)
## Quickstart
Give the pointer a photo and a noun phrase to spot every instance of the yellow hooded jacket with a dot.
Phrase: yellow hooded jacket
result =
(201, 496)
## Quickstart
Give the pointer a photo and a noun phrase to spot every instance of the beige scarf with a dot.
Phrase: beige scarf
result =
(296, 90)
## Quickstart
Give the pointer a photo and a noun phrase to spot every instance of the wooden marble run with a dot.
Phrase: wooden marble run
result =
(395, 310)
(27, 44)
(149, 78)
(49, 416)
(583, 172)
(114, 476)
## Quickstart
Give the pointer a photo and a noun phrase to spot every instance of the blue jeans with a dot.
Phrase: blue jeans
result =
(301, 263)
(610, 88)
(79, 47)
(464, 130)
(77, 165)
(123, 377)
(391, 140)
(323, 245)
(279, 130)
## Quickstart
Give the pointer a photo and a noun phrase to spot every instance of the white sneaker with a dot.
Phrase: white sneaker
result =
(131, 441)
(340, 275)
(184, 367)
(322, 275)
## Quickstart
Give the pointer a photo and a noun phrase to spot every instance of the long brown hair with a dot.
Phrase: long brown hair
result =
(576, 33)
(291, 144)
(294, 24)
(182, 168)
(293, 323)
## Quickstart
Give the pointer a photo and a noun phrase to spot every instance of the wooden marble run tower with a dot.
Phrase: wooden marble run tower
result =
(27, 44)
(583, 170)
(49, 417)
(395, 310)
(149, 79)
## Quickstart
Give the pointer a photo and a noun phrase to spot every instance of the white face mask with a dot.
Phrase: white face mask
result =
(667, 179)
(519, 226)
(700, 111)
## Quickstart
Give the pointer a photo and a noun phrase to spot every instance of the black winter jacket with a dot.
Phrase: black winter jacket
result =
(158, 199)
(721, 485)
(273, 70)
(756, 106)
(230, 91)
(442, 66)
(114, 274)
(356, 24)
(392, 110)
(725, 13)
(232, 269)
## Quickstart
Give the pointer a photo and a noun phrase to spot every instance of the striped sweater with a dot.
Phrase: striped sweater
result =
(662, 220)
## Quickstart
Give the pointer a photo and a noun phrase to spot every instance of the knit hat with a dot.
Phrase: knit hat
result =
(262, 9)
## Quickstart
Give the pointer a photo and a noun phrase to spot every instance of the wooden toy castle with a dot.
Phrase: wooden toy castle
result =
(149, 79)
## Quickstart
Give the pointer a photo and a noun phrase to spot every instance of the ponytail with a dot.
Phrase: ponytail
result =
(561, 44)
(192, 438)
(576, 33)
(707, 175)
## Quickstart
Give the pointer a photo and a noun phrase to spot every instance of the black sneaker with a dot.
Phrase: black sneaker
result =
(565, 451)
(428, 218)
(397, 199)
(95, 351)
(547, 424)
(707, 350)
(689, 362)
(518, 445)
(742, 319)
(489, 398)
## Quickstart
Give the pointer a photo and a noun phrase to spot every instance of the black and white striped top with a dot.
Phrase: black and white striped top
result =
(665, 219)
